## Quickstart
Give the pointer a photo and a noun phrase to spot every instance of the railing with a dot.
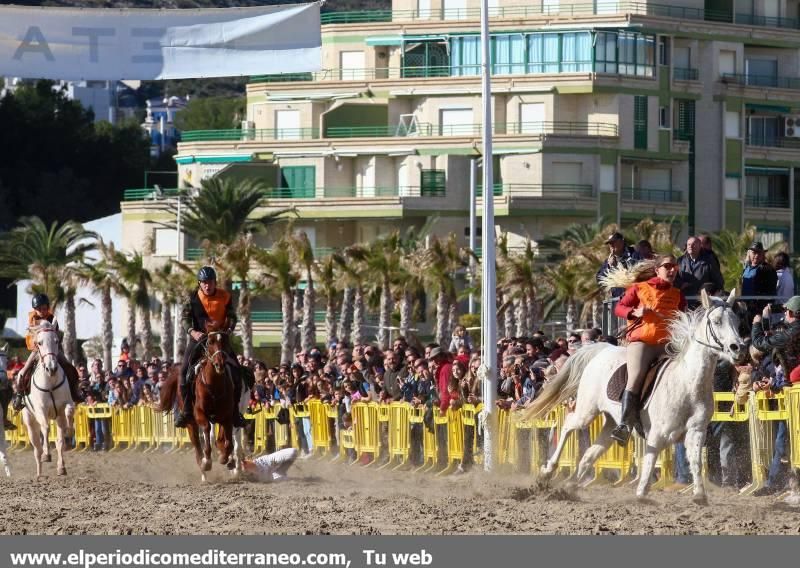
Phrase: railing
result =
(685, 74)
(658, 195)
(601, 7)
(772, 142)
(682, 135)
(542, 190)
(147, 193)
(761, 80)
(277, 317)
(250, 134)
(766, 201)
(561, 128)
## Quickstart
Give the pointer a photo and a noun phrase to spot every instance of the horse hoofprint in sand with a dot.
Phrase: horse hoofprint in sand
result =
(49, 399)
(679, 408)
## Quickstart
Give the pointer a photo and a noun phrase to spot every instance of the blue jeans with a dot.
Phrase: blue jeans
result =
(102, 437)
(777, 469)
(682, 473)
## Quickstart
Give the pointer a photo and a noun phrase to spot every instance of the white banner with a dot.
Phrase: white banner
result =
(89, 44)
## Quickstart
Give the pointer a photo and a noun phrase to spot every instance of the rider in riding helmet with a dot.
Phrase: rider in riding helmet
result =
(40, 313)
(207, 304)
(648, 306)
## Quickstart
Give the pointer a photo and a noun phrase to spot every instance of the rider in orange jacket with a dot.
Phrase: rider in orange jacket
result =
(648, 306)
(41, 312)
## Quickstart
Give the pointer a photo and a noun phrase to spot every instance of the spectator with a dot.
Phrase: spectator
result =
(619, 255)
(460, 338)
(758, 279)
(707, 247)
(785, 274)
(695, 270)
(589, 336)
(784, 342)
(644, 250)
(394, 375)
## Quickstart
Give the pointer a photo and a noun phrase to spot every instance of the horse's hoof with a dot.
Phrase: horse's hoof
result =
(48, 458)
(700, 499)
(205, 465)
(62, 471)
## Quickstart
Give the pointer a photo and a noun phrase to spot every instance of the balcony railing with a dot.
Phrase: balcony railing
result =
(762, 80)
(600, 7)
(685, 74)
(772, 141)
(147, 193)
(542, 190)
(422, 129)
(766, 201)
(657, 195)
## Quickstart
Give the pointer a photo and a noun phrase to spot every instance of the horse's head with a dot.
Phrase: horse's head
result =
(47, 341)
(215, 349)
(719, 327)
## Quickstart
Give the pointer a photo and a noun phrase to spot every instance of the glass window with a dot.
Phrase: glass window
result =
(576, 52)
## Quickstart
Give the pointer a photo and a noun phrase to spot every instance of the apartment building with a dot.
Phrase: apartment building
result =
(607, 109)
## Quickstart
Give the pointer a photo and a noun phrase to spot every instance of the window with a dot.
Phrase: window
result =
(684, 119)
(287, 125)
(351, 65)
(567, 173)
(727, 63)
(456, 121)
(508, 54)
(465, 56)
(531, 118)
(627, 53)
(766, 189)
(663, 117)
(762, 130)
(640, 122)
(608, 178)
(166, 242)
(576, 52)
(298, 181)
(663, 50)
(432, 183)
(762, 72)
(731, 188)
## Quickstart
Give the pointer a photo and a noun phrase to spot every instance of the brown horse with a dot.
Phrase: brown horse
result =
(213, 403)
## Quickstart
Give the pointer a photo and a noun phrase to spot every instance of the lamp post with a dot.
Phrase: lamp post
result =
(489, 299)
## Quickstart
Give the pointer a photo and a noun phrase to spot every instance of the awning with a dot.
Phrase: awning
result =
(768, 108)
(183, 160)
(385, 40)
(765, 171)
(313, 96)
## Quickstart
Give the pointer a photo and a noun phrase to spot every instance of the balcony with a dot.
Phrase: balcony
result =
(423, 129)
(652, 195)
(761, 81)
(541, 190)
(766, 201)
(147, 193)
(599, 8)
(762, 141)
(685, 74)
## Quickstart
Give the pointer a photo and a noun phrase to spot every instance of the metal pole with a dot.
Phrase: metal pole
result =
(473, 195)
(488, 303)
(176, 308)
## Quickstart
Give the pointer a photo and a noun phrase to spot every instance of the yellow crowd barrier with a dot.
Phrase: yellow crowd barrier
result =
(398, 422)
(793, 409)
(765, 410)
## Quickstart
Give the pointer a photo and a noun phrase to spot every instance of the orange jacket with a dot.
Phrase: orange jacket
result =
(34, 319)
(662, 298)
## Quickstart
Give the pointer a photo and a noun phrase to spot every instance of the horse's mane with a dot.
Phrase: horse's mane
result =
(683, 325)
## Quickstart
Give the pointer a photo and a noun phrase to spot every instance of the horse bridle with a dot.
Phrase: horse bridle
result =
(719, 347)
(33, 376)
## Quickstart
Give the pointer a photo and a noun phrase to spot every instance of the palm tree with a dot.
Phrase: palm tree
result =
(102, 276)
(305, 258)
(731, 248)
(443, 258)
(507, 324)
(278, 274)
(564, 288)
(137, 277)
(224, 219)
(50, 257)
(169, 280)
(409, 285)
(519, 275)
(326, 277)
(352, 277)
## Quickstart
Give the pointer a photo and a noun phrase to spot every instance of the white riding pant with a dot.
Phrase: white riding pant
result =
(277, 462)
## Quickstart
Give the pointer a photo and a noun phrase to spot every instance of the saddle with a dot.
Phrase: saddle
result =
(616, 385)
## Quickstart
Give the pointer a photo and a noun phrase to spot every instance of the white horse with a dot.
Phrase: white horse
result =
(49, 398)
(3, 379)
(679, 408)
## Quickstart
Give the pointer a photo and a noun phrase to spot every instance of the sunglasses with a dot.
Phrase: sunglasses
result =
(668, 265)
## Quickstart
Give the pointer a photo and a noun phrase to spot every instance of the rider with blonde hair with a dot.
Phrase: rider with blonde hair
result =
(648, 306)
(40, 313)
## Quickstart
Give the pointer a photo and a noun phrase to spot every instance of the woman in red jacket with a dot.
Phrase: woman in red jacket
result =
(648, 306)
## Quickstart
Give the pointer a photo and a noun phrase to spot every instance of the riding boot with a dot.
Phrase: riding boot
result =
(23, 387)
(630, 418)
(238, 419)
(188, 404)
(72, 379)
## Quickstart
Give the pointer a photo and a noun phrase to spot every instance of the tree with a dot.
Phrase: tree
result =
(277, 274)
(212, 113)
(51, 258)
(138, 280)
(519, 278)
(731, 248)
(304, 253)
(327, 280)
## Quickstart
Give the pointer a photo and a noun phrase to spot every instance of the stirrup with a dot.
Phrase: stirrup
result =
(18, 403)
(621, 434)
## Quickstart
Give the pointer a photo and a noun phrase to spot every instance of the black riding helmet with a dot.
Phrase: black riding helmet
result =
(206, 273)
(40, 300)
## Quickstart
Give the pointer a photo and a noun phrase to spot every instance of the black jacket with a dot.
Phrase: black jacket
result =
(194, 316)
(698, 273)
(783, 344)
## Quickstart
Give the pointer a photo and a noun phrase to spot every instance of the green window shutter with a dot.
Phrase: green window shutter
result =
(432, 183)
(685, 124)
(298, 182)
(640, 123)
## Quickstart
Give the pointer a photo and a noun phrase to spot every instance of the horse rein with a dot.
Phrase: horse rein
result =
(710, 331)
(33, 376)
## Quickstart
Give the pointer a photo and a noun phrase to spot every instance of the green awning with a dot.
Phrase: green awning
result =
(762, 171)
(768, 108)
(385, 40)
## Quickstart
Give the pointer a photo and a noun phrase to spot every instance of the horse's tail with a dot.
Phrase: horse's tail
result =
(564, 385)
(169, 392)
